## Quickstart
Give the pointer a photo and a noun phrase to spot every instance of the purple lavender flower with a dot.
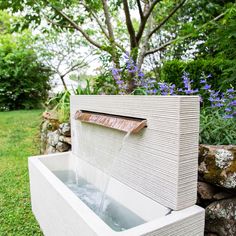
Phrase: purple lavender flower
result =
(231, 90)
(114, 71)
(186, 80)
(166, 89)
(203, 81)
(219, 104)
(200, 98)
(211, 99)
(127, 56)
(155, 91)
(215, 94)
(119, 82)
(140, 74)
(228, 109)
(228, 116)
(233, 103)
(207, 86)
(164, 93)
(188, 91)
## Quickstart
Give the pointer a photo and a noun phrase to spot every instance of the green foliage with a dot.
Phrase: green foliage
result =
(172, 71)
(87, 90)
(105, 84)
(19, 140)
(5, 22)
(23, 79)
(60, 103)
(216, 130)
(220, 36)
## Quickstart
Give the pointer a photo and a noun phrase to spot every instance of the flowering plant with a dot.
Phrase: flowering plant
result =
(223, 102)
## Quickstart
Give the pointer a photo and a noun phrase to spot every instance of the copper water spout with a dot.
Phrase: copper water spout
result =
(126, 124)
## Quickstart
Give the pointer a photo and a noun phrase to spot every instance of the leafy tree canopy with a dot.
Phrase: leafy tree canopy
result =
(23, 79)
(112, 27)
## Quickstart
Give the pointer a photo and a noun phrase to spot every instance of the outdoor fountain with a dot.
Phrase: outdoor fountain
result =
(132, 170)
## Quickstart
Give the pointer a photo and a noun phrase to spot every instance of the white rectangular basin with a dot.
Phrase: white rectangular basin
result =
(61, 213)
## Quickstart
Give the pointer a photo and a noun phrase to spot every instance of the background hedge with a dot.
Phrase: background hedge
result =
(222, 71)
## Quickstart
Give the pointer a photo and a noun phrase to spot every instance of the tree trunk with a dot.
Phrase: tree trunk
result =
(63, 82)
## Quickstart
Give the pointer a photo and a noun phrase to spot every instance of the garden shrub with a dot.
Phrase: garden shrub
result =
(216, 130)
(219, 69)
(24, 81)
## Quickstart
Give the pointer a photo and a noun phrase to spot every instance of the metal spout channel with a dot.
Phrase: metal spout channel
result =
(125, 124)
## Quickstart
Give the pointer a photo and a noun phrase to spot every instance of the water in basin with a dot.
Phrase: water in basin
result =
(118, 217)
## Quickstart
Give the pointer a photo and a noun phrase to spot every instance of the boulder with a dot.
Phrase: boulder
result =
(217, 165)
(65, 129)
(62, 147)
(206, 191)
(65, 139)
(221, 217)
(223, 195)
(53, 138)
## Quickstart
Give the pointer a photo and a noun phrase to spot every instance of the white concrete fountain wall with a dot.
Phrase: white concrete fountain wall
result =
(156, 170)
(161, 161)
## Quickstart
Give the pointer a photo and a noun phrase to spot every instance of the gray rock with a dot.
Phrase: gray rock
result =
(65, 139)
(223, 195)
(63, 147)
(50, 149)
(221, 217)
(206, 191)
(217, 165)
(65, 129)
(53, 138)
(44, 126)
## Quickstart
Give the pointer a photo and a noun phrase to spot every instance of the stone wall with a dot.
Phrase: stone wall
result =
(55, 137)
(217, 188)
(217, 176)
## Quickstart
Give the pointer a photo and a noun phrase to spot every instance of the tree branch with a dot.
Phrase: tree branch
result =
(144, 20)
(75, 67)
(145, 41)
(102, 27)
(129, 25)
(97, 19)
(55, 23)
(182, 38)
(108, 21)
(77, 27)
(140, 9)
(159, 48)
(174, 10)
(153, 4)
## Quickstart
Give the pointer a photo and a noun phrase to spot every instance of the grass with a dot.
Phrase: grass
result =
(19, 132)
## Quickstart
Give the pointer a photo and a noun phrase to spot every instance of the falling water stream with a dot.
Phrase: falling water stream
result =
(111, 171)
(114, 214)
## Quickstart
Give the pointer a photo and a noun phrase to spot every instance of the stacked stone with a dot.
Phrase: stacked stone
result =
(55, 137)
(217, 188)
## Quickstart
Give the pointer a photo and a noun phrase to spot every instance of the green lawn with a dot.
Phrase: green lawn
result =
(19, 132)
